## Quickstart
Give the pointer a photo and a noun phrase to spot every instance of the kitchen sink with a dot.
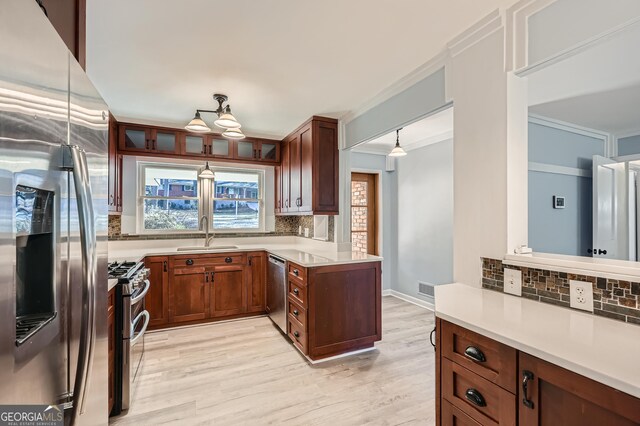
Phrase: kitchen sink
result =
(211, 248)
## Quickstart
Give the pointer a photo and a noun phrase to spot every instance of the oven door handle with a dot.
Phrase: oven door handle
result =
(135, 322)
(75, 160)
(139, 297)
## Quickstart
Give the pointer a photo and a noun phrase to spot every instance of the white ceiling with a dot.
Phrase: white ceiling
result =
(432, 129)
(279, 61)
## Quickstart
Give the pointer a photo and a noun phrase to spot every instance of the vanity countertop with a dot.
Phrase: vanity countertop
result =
(599, 348)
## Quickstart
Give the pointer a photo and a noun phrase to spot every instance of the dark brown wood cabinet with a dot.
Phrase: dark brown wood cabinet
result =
(115, 169)
(69, 18)
(556, 396)
(227, 291)
(256, 282)
(309, 169)
(157, 299)
(189, 293)
(483, 382)
(334, 309)
(144, 139)
(111, 339)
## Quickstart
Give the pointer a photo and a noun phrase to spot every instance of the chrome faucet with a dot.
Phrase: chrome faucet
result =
(207, 239)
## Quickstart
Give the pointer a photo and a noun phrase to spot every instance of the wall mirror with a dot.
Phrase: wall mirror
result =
(584, 151)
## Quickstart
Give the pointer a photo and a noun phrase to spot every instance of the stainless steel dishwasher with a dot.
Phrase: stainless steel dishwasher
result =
(277, 292)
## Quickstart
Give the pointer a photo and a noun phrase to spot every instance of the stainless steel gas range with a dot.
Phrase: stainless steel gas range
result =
(132, 320)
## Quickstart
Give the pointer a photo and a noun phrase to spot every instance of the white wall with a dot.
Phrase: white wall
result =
(130, 188)
(425, 217)
(388, 219)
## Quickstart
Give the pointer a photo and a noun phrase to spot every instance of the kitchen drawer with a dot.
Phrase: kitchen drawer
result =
(453, 416)
(298, 314)
(297, 335)
(195, 261)
(492, 406)
(298, 272)
(490, 359)
(298, 293)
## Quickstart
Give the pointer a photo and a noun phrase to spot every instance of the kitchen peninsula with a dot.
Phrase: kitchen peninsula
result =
(333, 298)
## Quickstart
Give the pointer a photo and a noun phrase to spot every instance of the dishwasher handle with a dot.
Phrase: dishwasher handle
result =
(276, 260)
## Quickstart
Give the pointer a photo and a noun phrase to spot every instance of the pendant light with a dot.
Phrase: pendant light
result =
(225, 119)
(207, 173)
(397, 151)
(233, 134)
(197, 125)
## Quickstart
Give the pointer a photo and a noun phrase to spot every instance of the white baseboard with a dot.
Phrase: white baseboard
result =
(410, 299)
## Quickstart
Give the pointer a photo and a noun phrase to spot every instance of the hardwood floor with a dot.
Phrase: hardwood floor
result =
(245, 372)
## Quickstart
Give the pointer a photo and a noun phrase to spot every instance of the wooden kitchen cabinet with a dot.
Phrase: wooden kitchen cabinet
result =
(205, 145)
(69, 17)
(189, 293)
(227, 293)
(482, 382)
(114, 199)
(256, 282)
(145, 139)
(309, 169)
(555, 396)
(157, 299)
(111, 345)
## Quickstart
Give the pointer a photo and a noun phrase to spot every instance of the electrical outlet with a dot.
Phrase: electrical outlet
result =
(581, 295)
(299, 230)
(306, 232)
(513, 281)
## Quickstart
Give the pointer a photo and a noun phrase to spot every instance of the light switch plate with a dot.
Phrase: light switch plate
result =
(581, 295)
(513, 281)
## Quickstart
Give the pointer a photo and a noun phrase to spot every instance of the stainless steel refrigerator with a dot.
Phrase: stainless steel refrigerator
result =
(53, 222)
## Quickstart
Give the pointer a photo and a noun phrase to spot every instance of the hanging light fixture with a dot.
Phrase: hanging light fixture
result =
(233, 134)
(197, 125)
(207, 173)
(397, 151)
(225, 120)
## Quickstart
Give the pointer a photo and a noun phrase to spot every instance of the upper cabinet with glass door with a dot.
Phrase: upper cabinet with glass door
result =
(207, 145)
(261, 150)
(138, 138)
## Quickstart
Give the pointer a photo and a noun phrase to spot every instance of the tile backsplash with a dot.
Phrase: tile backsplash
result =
(285, 225)
(615, 299)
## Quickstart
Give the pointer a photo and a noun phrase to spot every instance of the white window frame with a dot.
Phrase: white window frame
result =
(210, 198)
(204, 198)
(141, 196)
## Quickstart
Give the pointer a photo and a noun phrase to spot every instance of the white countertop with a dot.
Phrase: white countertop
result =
(602, 349)
(307, 254)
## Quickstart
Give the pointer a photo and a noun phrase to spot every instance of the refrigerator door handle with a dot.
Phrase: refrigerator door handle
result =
(75, 160)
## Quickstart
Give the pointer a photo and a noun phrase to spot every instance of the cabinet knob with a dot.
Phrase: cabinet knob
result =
(189, 262)
(296, 272)
(475, 354)
(295, 312)
(296, 291)
(475, 397)
(228, 259)
(296, 334)
(164, 264)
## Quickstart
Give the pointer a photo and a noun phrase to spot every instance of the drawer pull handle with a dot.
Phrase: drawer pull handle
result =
(475, 354)
(189, 262)
(526, 376)
(475, 397)
(296, 334)
(296, 272)
(228, 260)
(295, 312)
(296, 291)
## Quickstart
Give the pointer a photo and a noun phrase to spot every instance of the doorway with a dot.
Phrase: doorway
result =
(364, 213)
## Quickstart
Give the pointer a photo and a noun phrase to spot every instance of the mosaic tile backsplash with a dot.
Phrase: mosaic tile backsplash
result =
(285, 225)
(615, 299)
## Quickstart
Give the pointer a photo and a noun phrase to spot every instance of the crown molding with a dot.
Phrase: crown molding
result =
(485, 27)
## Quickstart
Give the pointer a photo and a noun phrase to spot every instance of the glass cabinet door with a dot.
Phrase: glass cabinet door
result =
(195, 145)
(220, 148)
(135, 139)
(165, 142)
(268, 151)
(245, 150)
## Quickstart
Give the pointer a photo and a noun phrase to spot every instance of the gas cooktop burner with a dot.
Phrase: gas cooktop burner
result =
(122, 269)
